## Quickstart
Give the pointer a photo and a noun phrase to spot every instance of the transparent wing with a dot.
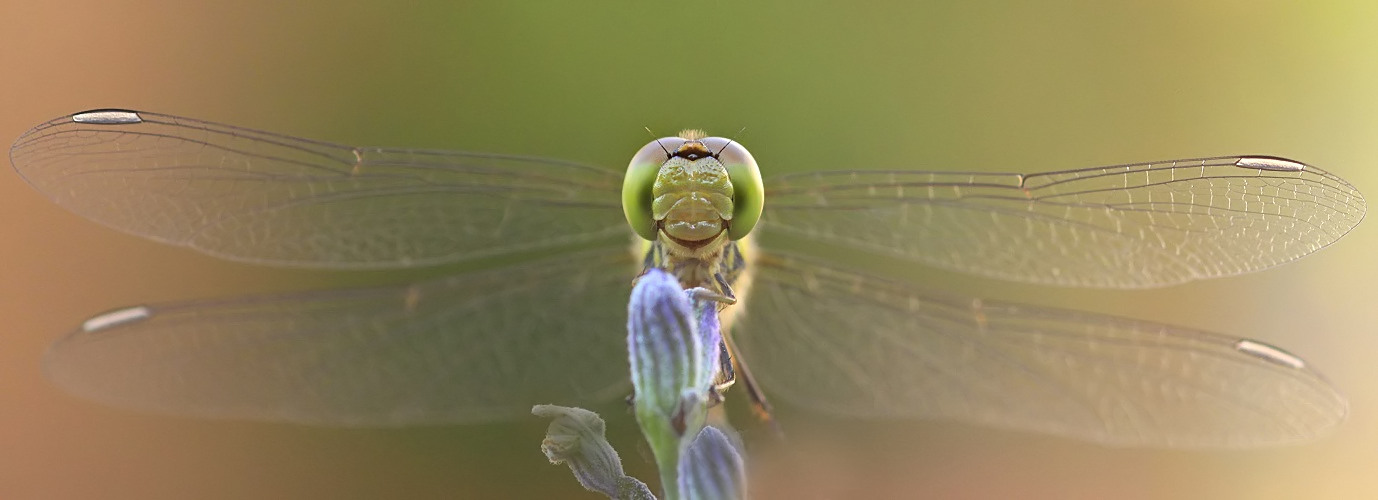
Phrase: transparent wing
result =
(852, 345)
(472, 347)
(1125, 226)
(266, 198)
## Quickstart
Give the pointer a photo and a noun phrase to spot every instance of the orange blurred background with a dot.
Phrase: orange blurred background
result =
(884, 85)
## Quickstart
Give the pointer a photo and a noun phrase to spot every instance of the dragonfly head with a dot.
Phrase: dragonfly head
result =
(692, 189)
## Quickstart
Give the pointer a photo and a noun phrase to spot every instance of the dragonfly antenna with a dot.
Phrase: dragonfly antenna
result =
(657, 139)
(729, 142)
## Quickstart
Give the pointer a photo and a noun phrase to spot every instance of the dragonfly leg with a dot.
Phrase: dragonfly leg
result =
(725, 377)
(725, 289)
(759, 405)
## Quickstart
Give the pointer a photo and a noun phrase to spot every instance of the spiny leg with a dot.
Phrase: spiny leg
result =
(759, 405)
(723, 374)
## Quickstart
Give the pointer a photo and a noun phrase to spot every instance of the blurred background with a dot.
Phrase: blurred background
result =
(814, 85)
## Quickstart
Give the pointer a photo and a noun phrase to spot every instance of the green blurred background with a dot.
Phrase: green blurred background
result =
(815, 85)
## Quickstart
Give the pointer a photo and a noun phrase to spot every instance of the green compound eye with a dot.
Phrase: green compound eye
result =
(641, 177)
(748, 192)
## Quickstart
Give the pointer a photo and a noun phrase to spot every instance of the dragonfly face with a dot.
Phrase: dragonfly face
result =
(693, 193)
(545, 322)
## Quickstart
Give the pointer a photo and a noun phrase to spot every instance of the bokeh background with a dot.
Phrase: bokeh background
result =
(815, 85)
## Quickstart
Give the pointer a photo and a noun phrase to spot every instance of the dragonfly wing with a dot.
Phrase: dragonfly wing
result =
(472, 347)
(852, 345)
(1125, 226)
(266, 198)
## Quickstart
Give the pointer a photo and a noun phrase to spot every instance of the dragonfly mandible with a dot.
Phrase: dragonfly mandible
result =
(545, 326)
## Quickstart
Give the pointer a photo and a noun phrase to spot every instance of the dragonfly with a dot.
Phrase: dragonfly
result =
(537, 319)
